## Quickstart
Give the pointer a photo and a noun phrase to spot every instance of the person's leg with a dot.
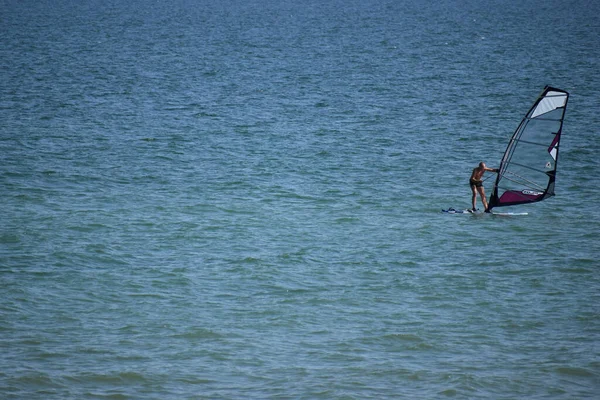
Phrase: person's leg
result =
(481, 191)
(474, 199)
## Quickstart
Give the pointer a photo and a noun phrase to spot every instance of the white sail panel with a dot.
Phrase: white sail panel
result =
(550, 102)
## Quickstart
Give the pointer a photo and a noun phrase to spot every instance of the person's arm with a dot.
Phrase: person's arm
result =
(492, 169)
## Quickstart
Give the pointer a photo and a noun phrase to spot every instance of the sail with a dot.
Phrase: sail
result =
(528, 169)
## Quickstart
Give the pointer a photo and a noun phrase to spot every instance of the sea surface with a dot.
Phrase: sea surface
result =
(226, 199)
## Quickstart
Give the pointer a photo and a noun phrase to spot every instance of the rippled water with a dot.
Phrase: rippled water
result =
(241, 200)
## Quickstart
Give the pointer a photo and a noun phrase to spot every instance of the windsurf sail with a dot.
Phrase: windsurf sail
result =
(528, 169)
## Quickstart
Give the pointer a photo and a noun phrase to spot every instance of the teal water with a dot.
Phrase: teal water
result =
(241, 200)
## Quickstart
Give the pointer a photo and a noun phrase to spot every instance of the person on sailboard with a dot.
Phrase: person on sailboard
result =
(476, 184)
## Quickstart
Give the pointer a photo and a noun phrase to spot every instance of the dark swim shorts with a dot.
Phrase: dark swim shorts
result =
(473, 182)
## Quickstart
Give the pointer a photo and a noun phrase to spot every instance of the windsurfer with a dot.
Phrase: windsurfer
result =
(476, 184)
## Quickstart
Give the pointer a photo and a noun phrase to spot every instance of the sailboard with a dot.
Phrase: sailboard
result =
(454, 211)
(527, 172)
(479, 212)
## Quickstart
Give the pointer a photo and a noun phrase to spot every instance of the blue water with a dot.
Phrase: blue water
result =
(241, 199)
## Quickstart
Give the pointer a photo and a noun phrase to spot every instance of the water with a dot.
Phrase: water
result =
(241, 200)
